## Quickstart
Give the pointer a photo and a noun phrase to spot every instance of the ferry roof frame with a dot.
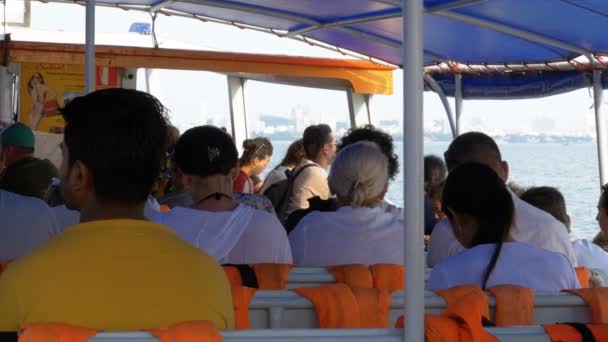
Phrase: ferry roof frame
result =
(362, 77)
(494, 31)
(461, 31)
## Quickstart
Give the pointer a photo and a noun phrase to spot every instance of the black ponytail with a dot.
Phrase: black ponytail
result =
(476, 190)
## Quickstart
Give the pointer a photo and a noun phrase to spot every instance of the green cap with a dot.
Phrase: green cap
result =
(19, 135)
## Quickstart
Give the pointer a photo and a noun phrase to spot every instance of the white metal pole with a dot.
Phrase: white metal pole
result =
(89, 51)
(444, 100)
(600, 126)
(413, 47)
(458, 102)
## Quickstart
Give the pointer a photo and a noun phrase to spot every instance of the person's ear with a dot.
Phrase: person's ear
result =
(80, 178)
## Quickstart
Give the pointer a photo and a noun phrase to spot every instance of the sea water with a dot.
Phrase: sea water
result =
(572, 168)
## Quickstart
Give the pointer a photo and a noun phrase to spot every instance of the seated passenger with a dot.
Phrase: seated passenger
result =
(353, 136)
(293, 157)
(360, 231)
(232, 233)
(311, 180)
(601, 239)
(434, 175)
(24, 174)
(552, 201)
(115, 270)
(26, 223)
(532, 225)
(481, 211)
(256, 156)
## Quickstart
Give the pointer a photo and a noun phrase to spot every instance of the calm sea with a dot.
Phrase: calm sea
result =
(572, 168)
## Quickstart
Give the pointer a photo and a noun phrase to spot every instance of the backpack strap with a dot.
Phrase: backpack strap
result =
(290, 180)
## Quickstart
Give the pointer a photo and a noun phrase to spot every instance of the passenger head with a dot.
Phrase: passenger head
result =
(602, 211)
(550, 200)
(207, 158)
(359, 175)
(476, 147)
(434, 175)
(112, 151)
(378, 136)
(319, 144)
(295, 154)
(256, 155)
(172, 137)
(17, 142)
(480, 208)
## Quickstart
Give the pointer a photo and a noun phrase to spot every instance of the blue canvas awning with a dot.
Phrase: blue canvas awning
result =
(517, 85)
(466, 31)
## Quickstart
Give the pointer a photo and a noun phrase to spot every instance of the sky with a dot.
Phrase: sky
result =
(194, 97)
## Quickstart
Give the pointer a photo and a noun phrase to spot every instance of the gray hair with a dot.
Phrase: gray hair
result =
(359, 173)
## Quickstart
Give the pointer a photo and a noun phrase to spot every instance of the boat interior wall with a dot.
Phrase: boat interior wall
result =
(313, 276)
(287, 310)
(518, 334)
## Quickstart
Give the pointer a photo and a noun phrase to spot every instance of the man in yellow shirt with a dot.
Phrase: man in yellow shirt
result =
(114, 270)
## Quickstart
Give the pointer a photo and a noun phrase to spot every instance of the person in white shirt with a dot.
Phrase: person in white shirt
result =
(532, 225)
(232, 233)
(481, 209)
(320, 149)
(26, 223)
(552, 201)
(360, 231)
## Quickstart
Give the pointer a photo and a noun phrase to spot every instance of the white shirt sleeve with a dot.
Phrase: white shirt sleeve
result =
(442, 244)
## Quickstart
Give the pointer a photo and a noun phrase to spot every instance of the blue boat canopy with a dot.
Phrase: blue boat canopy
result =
(466, 32)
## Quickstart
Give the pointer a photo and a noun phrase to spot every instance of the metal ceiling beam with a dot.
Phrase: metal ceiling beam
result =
(161, 4)
(261, 10)
(451, 5)
(381, 15)
(526, 35)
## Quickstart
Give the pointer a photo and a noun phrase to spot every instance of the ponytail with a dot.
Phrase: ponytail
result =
(491, 265)
(476, 190)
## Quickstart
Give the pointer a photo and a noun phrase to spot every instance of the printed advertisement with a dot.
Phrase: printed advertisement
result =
(47, 87)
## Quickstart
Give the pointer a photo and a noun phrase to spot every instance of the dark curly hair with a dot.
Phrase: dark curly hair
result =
(378, 136)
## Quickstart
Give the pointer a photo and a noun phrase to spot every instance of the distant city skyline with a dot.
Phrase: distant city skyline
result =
(194, 96)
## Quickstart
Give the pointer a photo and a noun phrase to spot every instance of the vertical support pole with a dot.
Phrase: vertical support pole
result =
(444, 100)
(238, 111)
(413, 87)
(148, 73)
(89, 52)
(458, 102)
(600, 125)
(369, 99)
(358, 109)
(6, 93)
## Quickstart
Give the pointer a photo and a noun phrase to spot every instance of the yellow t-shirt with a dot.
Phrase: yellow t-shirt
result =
(115, 275)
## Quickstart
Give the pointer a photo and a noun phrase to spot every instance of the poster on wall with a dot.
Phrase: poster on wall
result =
(44, 88)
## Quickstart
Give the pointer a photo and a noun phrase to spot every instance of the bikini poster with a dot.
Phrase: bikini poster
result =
(44, 88)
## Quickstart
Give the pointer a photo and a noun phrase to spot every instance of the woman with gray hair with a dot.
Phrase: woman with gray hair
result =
(360, 231)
